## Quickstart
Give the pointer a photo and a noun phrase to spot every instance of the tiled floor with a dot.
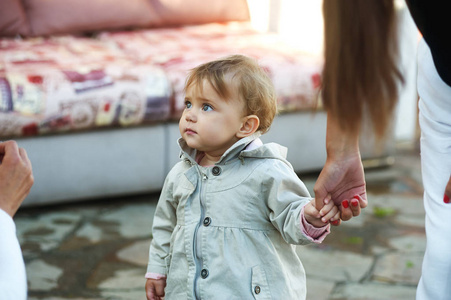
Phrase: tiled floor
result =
(98, 250)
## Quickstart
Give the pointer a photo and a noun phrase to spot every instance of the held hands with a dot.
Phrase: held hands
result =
(16, 176)
(320, 218)
(155, 289)
(342, 180)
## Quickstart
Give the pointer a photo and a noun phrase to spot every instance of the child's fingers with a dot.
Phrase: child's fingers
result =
(311, 210)
(333, 212)
(336, 217)
(159, 288)
(155, 289)
(328, 199)
(150, 290)
(327, 208)
(335, 220)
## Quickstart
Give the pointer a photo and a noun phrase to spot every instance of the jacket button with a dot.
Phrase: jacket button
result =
(204, 273)
(257, 290)
(207, 221)
(216, 170)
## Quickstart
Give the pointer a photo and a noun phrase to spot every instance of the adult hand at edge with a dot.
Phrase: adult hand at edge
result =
(342, 180)
(16, 176)
(447, 196)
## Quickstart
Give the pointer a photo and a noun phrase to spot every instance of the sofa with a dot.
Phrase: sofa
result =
(93, 90)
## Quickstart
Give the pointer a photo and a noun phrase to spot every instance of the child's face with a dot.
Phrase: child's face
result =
(210, 123)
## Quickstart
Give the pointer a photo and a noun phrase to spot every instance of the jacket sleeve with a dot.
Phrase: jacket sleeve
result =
(286, 196)
(163, 225)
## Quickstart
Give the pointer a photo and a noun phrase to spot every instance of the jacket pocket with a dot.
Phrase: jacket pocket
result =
(259, 284)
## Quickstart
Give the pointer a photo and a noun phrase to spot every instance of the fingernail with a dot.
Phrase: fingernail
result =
(335, 222)
(345, 203)
(356, 197)
(446, 199)
(354, 203)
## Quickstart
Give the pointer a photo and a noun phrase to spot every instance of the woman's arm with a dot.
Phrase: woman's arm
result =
(356, 87)
(342, 178)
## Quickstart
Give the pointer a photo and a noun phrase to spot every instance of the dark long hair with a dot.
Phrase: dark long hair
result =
(360, 73)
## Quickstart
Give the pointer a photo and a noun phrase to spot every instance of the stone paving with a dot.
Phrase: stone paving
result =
(98, 250)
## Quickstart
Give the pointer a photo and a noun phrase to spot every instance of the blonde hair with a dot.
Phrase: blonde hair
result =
(253, 85)
(360, 73)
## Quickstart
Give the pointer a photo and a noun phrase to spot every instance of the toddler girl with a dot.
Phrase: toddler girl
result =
(231, 211)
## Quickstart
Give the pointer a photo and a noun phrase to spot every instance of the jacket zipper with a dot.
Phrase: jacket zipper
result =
(195, 241)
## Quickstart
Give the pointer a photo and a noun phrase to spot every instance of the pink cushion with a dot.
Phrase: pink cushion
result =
(182, 12)
(13, 20)
(75, 16)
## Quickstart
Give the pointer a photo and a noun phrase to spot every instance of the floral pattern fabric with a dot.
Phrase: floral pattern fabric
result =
(126, 78)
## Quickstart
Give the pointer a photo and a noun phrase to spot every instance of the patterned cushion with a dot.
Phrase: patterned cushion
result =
(65, 83)
(295, 74)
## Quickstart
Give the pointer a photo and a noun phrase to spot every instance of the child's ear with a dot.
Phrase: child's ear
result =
(249, 126)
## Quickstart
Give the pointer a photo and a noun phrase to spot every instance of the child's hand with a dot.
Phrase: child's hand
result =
(329, 213)
(155, 289)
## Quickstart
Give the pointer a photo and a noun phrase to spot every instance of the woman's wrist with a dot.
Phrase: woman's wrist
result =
(340, 143)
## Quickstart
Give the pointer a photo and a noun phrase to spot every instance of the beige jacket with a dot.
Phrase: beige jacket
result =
(228, 231)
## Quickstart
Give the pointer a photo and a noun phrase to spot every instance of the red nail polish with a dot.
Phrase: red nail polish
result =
(345, 203)
(356, 197)
(354, 203)
(335, 222)
(446, 199)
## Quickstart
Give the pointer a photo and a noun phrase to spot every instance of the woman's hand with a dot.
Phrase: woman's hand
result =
(16, 177)
(343, 181)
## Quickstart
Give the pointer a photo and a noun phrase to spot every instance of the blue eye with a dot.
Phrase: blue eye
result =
(188, 104)
(207, 107)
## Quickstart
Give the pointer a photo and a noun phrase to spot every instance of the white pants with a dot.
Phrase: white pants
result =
(13, 281)
(435, 123)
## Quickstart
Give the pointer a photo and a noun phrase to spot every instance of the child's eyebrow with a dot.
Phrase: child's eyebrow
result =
(203, 99)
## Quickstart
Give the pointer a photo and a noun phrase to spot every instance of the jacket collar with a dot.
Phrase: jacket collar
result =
(233, 152)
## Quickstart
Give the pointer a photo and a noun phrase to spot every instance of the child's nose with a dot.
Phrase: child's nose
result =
(190, 116)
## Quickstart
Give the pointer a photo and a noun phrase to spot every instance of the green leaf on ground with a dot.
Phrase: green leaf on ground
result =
(382, 212)
(353, 240)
